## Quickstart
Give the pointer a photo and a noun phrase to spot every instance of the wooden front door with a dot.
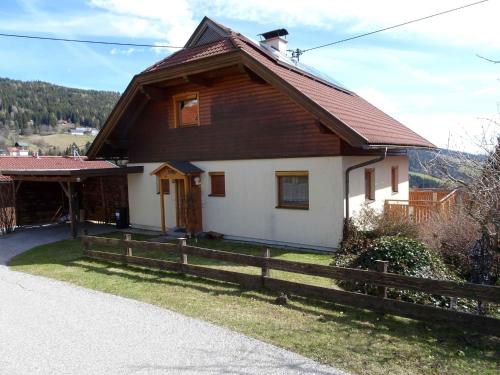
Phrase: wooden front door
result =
(180, 203)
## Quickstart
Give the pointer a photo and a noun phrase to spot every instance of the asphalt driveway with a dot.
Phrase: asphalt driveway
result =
(52, 327)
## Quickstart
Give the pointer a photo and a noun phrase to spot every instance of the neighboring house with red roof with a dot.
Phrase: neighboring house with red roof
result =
(244, 141)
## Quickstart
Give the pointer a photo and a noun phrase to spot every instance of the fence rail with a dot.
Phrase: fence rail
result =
(380, 278)
(422, 204)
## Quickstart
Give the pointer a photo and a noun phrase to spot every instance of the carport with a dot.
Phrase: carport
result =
(46, 186)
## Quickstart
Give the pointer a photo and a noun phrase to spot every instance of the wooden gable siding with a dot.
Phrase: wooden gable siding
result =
(239, 119)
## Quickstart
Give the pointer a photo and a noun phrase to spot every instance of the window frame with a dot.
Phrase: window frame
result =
(279, 198)
(370, 194)
(217, 174)
(395, 179)
(158, 182)
(176, 104)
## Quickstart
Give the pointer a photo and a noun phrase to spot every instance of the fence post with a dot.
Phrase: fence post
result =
(85, 241)
(266, 253)
(382, 266)
(128, 250)
(184, 257)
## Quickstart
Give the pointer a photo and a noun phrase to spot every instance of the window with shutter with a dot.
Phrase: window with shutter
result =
(370, 184)
(218, 184)
(394, 179)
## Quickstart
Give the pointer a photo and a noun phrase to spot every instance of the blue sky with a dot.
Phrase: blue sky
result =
(426, 75)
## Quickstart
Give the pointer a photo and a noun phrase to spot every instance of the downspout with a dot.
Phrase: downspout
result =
(347, 173)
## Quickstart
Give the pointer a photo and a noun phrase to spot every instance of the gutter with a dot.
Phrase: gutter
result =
(347, 173)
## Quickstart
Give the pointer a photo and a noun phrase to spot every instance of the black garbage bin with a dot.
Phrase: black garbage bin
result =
(121, 217)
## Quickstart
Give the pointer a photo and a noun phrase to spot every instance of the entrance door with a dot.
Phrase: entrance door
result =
(180, 203)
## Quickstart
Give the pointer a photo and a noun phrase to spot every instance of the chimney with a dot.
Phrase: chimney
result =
(275, 39)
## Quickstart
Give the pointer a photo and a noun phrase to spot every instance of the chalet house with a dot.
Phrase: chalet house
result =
(237, 138)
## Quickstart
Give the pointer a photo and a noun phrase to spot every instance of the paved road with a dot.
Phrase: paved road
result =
(51, 327)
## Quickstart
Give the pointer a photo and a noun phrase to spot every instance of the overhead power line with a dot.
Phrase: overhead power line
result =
(85, 41)
(299, 52)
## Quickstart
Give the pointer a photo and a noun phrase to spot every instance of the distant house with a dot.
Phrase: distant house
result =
(79, 131)
(20, 149)
(235, 137)
(84, 131)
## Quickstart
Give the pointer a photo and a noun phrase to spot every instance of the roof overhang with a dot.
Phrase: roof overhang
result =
(75, 175)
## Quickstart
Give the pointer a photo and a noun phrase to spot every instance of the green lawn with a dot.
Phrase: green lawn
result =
(355, 340)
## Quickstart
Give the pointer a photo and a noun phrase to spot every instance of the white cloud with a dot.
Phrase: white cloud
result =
(170, 21)
(126, 52)
(477, 25)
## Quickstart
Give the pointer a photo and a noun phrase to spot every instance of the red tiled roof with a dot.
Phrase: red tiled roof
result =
(363, 118)
(4, 178)
(192, 54)
(18, 163)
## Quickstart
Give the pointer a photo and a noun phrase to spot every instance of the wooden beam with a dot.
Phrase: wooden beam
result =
(154, 93)
(18, 185)
(186, 202)
(252, 76)
(72, 215)
(66, 191)
(198, 80)
(103, 201)
(48, 178)
(323, 129)
(162, 208)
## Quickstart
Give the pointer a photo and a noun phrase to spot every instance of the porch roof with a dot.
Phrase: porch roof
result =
(182, 167)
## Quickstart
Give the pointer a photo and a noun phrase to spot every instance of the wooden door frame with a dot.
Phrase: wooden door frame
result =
(180, 193)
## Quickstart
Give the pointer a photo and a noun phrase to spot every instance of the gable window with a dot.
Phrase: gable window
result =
(186, 110)
(370, 184)
(394, 179)
(293, 189)
(217, 184)
(165, 183)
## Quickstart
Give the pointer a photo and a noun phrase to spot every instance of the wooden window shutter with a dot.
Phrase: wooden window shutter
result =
(394, 179)
(218, 184)
(369, 184)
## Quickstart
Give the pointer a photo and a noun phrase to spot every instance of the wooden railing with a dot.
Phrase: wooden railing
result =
(422, 204)
(381, 278)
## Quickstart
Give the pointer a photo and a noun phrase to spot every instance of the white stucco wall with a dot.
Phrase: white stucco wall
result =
(383, 189)
(144, 202)
(248, 211)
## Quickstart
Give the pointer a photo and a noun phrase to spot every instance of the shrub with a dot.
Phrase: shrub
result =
(405, 256)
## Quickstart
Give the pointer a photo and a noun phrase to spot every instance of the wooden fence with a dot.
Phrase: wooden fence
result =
(422, 205)
(382, 278)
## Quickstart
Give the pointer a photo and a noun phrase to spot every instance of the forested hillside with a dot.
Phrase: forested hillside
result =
(36, 107)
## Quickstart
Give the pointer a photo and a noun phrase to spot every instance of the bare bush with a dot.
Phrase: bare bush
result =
(454, 234)
(479, 184)
(383, 223)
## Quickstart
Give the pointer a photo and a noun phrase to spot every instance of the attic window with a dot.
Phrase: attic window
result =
(186, 110)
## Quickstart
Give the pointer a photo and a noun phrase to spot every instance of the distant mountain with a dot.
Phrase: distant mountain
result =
(423, 175)
(36, 107)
